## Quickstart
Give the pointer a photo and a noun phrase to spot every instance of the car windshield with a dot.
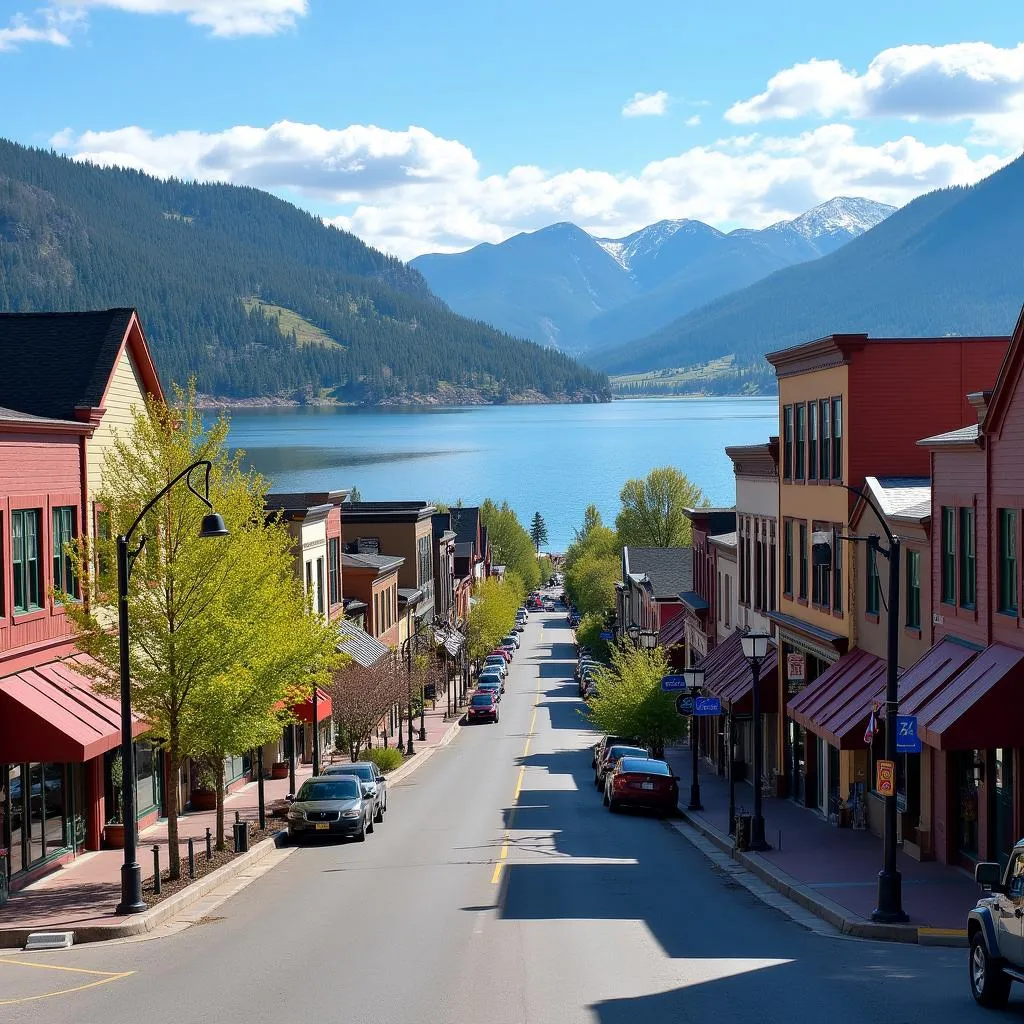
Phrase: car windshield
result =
(614, 753)
(480, 700)
(364, 771)
(645, 765)
(328, 789)
(489, 684)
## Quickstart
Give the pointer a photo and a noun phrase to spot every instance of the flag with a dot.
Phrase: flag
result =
(872, 729)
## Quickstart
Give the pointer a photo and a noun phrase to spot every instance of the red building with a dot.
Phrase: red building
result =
(700, 603)
(648, 597)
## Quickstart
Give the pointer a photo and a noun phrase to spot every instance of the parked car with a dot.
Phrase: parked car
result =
(604, 743)
(549, 605)
(374, 784)
(509, 646)
(994, 931)
(583, 663)
(501, 652)
(491, 674)
(512, 638)
(520, 626)
(330, 806)
(482, 708)
(498, 661)
(611, 756)
(492, 686)
(641, 782)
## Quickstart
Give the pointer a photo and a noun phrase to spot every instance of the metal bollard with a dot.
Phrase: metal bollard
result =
(156, 870)
(209, 845)
(238, 817)
(241, 830)
(191, 858)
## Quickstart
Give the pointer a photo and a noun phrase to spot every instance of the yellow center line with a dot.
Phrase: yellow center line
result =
(104, 978)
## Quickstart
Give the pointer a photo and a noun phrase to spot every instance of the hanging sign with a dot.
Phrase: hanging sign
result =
(885, 778)
(796, 668)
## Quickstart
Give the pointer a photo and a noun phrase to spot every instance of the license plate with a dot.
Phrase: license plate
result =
(647, 785)
(322, 826)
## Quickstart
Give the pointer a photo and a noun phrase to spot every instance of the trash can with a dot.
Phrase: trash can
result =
(241, 836)
(743, 831)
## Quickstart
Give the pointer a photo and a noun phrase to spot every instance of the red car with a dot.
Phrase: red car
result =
(482, 708)
(641, 782)
(506, 654)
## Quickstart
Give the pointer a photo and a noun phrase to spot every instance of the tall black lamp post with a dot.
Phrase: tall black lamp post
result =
(732, 773)
(212, 526)
(755, 650)
(695, 684)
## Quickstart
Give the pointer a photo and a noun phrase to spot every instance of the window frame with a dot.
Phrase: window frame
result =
(872, 584)
(948, 552)
(821, 575)
(812, 441)
(912, 604)
(21, 515)
(825, 441)
(787, 557)
(837, 437)
(837, 570)
(804, 561)
(63, 569)
(967, 576)
(787, 442)
(800, 442)
(1009, 563)
(334, 570)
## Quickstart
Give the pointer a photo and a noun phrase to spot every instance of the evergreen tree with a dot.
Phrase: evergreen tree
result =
(538, 531)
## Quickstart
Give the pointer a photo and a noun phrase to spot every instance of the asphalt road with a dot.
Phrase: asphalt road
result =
(498, 890)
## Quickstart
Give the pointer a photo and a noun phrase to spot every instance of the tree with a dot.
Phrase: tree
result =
(511, 545)
(218, 627)
(355, 495)
(652, 509)
(591, 519)
(493, 615)
(588, 633)
(538, 531)
(362, 695)
(630, 701)
(590, 582)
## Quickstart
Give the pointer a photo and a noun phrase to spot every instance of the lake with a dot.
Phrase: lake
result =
(555, 459)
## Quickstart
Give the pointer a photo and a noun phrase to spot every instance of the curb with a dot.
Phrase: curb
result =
(140, 924)
(828, 910)
(421, 757)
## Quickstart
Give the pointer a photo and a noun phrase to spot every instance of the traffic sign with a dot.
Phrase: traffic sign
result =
(885, 778)
(607, 634)
(684, 704)
(707, 706)
(907, 739)
(672, 683)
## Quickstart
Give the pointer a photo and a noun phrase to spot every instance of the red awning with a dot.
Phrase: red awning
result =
(728, 675)
(304, 711)
(672, 632)
(836, 706)
(932, 673)
(53, 713)
(978, 708)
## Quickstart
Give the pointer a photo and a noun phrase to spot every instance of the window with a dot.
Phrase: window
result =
(812, 441)
(63, 534)
(28, 567)
(741, 560)
(1008, 560)
(968, 577)
(871, 598)
(728, 600)
(837, 438)
(837, 569)
(787, 442)
(803, 561)
(771, 571)
(334, 569)
(948, 555)
(376, 615)
(787, 555)
(913, 589)
(821, 577)
(320, 586)
(309, 580)
(801, 432)
(825, 407)
(103, 535)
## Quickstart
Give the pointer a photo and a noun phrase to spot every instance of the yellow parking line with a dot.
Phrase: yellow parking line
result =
(103, 978)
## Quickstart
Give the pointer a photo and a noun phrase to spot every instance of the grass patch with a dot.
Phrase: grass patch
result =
(288, 321)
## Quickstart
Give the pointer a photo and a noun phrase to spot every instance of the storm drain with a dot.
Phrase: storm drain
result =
(49, 940)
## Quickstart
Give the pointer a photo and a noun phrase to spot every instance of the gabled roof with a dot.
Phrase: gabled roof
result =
(57, 363)
(667, 571)
(381, 564)
(466, 524)
(908, 498)
(364, 649)
(953, 438)
(1007, 380)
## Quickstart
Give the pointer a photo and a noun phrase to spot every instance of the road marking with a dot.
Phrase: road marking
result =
(103, 978)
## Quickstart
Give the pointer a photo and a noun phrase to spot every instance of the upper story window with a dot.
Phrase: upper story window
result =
(913, 589)
(801, 435)
(837, 438)
(821, 579)
(948, 572)
(787, 443)
(787, 558)
(837, 569)
(968, 567)
(64, 580)
(803, 561)
(320, 586)
(1008, 568)
(334, 569)
(25, 556)
(425, 569)
(812, 441)
(873, 592)
(825, 451)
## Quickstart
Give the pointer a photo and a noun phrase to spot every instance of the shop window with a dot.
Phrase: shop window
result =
(25, 557)
(147, 778)
(968, 577)
(787, 443)
(873, 590)
(837, 438)
(1008, 568)
(63, 536)
(825, 460)
(803, 561)
(812, 441)
(14, 814)
(913, 589)
(801, 437)
(948, 571)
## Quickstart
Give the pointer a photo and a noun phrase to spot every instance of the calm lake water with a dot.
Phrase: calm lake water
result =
(555, 459)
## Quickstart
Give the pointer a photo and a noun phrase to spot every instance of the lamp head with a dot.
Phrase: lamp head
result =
(634, 633)
(213, 526)
(694, 678)
(755, 646)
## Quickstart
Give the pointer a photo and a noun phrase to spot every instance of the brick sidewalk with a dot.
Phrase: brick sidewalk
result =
(833, 864)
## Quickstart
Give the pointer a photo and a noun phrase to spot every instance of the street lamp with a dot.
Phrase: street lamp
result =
(732, 772)
(694, 683)
(212, 526)
(648, 639)
(634, 634)
(755, 650)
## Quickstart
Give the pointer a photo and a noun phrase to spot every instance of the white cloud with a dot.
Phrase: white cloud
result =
(222, 17)
(647, 104)
(692, 122)
(47, 27)
(977, 82)
(411, 191)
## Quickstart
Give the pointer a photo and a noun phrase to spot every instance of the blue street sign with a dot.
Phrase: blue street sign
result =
(907, 740)
(607, 634)
(671, 683)
(707, 706)
(684, 704)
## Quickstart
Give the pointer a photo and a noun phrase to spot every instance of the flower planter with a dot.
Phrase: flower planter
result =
(279, 770)
(203, 800)
(113, 835)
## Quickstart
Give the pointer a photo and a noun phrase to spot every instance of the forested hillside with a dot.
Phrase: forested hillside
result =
(221, 276)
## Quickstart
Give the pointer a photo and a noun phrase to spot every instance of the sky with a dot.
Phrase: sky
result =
(433, 127)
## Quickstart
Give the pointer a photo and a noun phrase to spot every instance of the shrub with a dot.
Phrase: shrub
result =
(385, 758)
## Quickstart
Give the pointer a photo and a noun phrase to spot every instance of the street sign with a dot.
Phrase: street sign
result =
(607, 634)
(684, 704)
(707, 706)
(671, 683)
(907, 739)
(796, 668)
(885, 778)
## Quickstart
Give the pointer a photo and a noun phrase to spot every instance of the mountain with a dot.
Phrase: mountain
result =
(560, 286)
(251, 295)
(943, 264)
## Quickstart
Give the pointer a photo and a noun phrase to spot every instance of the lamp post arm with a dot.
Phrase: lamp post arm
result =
(185, 475)
(861, 493)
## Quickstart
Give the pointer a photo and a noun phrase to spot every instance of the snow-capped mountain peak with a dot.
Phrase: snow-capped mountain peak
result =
(843, 215)
(625, 251)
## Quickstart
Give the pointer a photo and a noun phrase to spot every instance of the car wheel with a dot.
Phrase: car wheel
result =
(370, 825)
(989, 986)
(379, 816)
(361, 837)
(613, 806)
(605, 798)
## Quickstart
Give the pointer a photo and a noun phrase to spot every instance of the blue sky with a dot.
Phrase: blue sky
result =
(427, 127)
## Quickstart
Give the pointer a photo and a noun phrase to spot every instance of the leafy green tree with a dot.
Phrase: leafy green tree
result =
(652, 509)
(219, 628)
(538, 531)
(588, 633)
(355, 495)
(629, 699)
(511, 545)
(493, 615)
(591, 520)
(590, 582)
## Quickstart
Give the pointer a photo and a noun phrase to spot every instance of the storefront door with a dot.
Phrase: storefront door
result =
(1001, 831)
(795, 740)
(966, 795)
(821, 797)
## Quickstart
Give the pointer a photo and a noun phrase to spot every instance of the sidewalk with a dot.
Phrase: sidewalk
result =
(829, 870)
(82, 896)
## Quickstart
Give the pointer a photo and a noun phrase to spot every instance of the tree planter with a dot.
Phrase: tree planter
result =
(113, 835)
(279, 770)
(203, 800)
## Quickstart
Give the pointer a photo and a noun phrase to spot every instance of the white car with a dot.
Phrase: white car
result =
(512, 638)
(496, 661)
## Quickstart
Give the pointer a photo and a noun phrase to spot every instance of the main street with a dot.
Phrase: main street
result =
(497, 890)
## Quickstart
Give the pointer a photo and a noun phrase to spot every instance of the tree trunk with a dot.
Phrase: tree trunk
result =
(220, 804)
(173, 771)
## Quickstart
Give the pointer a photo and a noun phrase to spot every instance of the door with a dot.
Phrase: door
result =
(1010, 911)
(822, 795)
(1002, 838)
